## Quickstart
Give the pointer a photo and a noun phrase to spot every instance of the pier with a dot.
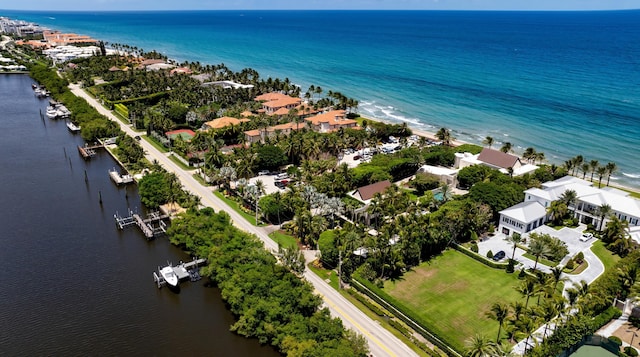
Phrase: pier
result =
(118, 178)
(87, 151)
(183, 271)
(146, 225)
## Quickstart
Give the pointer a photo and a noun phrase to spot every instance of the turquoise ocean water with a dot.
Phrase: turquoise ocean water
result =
(566, 83)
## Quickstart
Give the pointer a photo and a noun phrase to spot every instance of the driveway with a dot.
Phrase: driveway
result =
(499, 242)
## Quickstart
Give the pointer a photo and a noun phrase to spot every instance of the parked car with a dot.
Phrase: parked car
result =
(356, 158)
(263, 173)
(586, 237)
(499, 256)
(281, 176)
(279, 185)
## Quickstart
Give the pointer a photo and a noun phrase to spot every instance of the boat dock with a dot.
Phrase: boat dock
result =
(118, 178)
(183, 271)
(146, 225)
(87, 151)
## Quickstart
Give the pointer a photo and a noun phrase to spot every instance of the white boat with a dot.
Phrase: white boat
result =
(169, 276)
(72, 127)
(52, 112)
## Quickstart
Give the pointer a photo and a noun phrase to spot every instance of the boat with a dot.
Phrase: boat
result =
(169, 276)
(72, 127)
(52, 112)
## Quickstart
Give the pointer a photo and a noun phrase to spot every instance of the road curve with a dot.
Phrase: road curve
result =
(381, 342)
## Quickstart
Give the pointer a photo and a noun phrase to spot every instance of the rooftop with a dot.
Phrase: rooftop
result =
(498, 158)
(224, 122)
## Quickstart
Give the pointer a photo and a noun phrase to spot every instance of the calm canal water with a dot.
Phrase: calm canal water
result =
(70, 282)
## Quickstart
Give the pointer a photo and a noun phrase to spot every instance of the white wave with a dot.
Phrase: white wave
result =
(635, 176)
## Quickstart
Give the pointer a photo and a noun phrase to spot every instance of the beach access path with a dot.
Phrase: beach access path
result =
(381, 342)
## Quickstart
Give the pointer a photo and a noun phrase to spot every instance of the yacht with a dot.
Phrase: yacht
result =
(169, 276)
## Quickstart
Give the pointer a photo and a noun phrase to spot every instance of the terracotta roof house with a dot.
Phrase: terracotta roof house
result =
(223, 122)
(253, 136)
(277, 102)
(149, 62)
(330, 121)
(366, 193)
(499, 160)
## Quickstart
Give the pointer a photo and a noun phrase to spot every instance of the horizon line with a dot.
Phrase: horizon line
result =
(408, 9)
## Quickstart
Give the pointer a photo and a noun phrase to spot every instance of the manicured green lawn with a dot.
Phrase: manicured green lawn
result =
(285, 240)
(236, 207)
(542, 261)
(452, 292)
(606, 256)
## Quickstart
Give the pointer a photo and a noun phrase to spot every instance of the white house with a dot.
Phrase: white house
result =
(526, 216)
(522, 218)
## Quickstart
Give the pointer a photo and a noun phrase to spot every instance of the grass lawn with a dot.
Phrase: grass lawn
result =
(452, 292)
(285, 240)
(608, 258)
(236, 207)
(542, 260)
(333, 282)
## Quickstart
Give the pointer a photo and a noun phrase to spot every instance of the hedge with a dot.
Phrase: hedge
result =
(122, 110)
(402, 312)
(375, 309)
(480, 258)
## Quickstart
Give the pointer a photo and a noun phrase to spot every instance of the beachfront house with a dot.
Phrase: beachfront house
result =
(445, 175)
(526, 216)
(330, 121)
(495, 159)
(277, 103)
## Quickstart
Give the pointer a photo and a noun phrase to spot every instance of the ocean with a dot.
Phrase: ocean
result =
(565, 83)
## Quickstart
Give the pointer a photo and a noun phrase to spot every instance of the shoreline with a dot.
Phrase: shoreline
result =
(635, 192)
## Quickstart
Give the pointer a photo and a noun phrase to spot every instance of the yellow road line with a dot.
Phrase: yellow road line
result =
(357, 325)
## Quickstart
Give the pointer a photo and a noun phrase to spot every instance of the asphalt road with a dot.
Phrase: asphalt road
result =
(381, 342)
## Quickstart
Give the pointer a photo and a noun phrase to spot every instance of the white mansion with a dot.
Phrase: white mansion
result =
(532, 213)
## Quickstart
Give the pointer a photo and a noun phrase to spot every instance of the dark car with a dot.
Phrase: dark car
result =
(499, 256)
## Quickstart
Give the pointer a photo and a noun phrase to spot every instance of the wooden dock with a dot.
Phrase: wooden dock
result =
(146, 225)
(87, 151)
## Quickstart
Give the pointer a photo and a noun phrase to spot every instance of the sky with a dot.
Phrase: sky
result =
(115, 5)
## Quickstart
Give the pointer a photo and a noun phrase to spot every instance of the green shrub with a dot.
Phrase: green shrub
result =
(522, 274)
(616, 340)
(489, 254)
(630, 351)
(579, 258)
(374, 308)
(510, 266)
(474, 248)
(570, 265)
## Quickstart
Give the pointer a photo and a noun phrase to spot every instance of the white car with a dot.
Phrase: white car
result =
(586, 237)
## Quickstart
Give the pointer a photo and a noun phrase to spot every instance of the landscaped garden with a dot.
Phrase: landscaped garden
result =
(452, 293)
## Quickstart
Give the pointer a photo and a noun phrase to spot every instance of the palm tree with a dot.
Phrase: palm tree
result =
(604, 211)
(528, 326)
(539, 157)
(529, 154)
(444, 135)
(556, 275)
(480, 346)
(488, 141)
(569, 198)
(577, 161)
(506, 147)
(556, 211)
(585, 168)
(499, 312)
(601, 172)
(611, 168)
(514, 239)
(527, 289)
(537, 248)
(594, 166)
